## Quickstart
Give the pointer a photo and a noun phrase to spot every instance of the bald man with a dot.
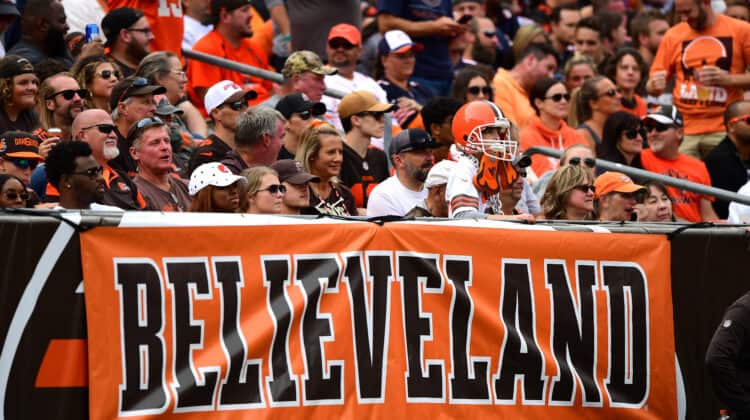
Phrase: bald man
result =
(95, 127)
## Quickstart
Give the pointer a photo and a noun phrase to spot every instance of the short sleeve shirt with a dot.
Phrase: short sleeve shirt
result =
(361, 175)
(176, 199)
(165, 19)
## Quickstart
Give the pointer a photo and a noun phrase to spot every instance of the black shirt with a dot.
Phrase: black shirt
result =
(212, 149)
(284, 154)
(27, 121)
(727, 171)
(362, 175)
(123, 163)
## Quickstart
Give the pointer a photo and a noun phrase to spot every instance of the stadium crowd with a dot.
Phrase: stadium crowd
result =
(100, 109)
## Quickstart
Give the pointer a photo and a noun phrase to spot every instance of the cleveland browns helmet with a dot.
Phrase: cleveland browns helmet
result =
(471, 126)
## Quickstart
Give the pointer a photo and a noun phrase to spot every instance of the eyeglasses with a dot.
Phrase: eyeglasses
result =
(610, 92)
(69, 94)
(13, 195)
(103, 128)
(745, 118)
(632, 133)
(236, 106)
(143, 122)
(659, 127)
(106, 74)
(275, 189)
(559, 97)
(584, 188)
(178, 73)
(474, 90)
(144, 31)
(378, 115)
(336, 44)
(92, 173)
(575, 161)
(489, 33)
(21, 163)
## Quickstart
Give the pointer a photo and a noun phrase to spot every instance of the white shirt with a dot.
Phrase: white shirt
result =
(194, 31)
(358, 82)
(740, 213)
(79, 13)
(392, 198)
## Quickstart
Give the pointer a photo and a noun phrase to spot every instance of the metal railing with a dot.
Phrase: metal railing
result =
(724, 195)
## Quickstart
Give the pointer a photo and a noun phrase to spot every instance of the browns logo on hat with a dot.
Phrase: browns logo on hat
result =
(20, 145)
(615, 182)
(213, 173)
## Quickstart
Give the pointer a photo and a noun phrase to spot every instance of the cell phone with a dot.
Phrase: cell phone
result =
(465, 19)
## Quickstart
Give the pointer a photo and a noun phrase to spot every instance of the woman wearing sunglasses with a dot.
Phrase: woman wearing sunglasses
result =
(623, 140)
(265, 193)
(550, 100)
(629, 72)
(99, 75)
(321, 153)
(12, 192)
(472, 84)
(569, 195)
(591, 105)
(18, 89)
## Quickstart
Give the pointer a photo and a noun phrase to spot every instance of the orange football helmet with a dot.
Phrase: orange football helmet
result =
(480, 127)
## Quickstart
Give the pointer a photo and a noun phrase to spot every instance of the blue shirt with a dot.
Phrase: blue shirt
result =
(434, 62)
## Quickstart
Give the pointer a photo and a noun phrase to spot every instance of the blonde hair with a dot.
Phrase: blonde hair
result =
(524, 36)
(254, 177)
(309, 144)
(557, 194)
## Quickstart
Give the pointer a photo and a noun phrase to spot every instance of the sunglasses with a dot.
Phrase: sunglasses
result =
(69, 94)
(745, 118)
(611, 93)
(106, 74)
(143, 122)
(659, 127)
(559, 97)
(378, 115)
(632, 133)
(21, 163)
(275, 189)
(336, 44)
(13, 195)
(474, 90)
(235, 106)
(92, 173)
(103, 128)
(575, 161)
(585, 188)
(305, 115)
(489, 33)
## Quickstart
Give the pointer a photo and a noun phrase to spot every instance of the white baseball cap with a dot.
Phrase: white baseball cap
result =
(213, 173)
(440, 173)
(222, 92)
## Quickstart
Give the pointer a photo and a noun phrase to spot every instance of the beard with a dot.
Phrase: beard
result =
(55, 41)
(482, 54)
(137, 51)
(110, 152)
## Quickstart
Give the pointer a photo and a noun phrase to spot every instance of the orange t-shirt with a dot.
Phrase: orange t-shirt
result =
(682, 52)
(206, 75)
(536, 134)
(686, 204)
(640, 110)
(512, 98)
(165, 19)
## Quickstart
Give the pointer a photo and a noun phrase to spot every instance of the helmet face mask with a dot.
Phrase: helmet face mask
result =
(480, 128)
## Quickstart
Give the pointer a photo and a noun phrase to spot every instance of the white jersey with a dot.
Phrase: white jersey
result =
(464, 200)
(740, 213)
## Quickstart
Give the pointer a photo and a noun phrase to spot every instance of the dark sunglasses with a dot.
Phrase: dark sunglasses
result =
(659, 127)
(13, 196)
(21, 163)
(103, 128)
(745, 118)
(575, 161)
(92, 173)
(148, 121)
(611, 93)
(336, 44)
(69, 94)
(378, 115)
(585, 188)
(559, 97)
(275, 189)
(106, 74)
(305, 115)
(489, 33)
(235, 106)
(632, 133)
(474, 90)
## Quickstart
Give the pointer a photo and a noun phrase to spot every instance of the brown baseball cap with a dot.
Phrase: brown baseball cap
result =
(361, 101)
(291, 171)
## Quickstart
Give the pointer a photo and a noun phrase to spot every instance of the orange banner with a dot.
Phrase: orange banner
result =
(405, 320)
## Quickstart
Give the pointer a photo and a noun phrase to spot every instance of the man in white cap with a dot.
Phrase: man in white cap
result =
(435, 205)
(224, 102)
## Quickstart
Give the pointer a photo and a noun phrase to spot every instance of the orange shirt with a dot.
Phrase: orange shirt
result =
(686, 204)
(536, 134)
(726, 44)
(165, 19)
(512, 98)
(640, 110)
(206, 75)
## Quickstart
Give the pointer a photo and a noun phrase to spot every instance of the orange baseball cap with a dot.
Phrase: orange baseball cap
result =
(615, 182)
(346, 31)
